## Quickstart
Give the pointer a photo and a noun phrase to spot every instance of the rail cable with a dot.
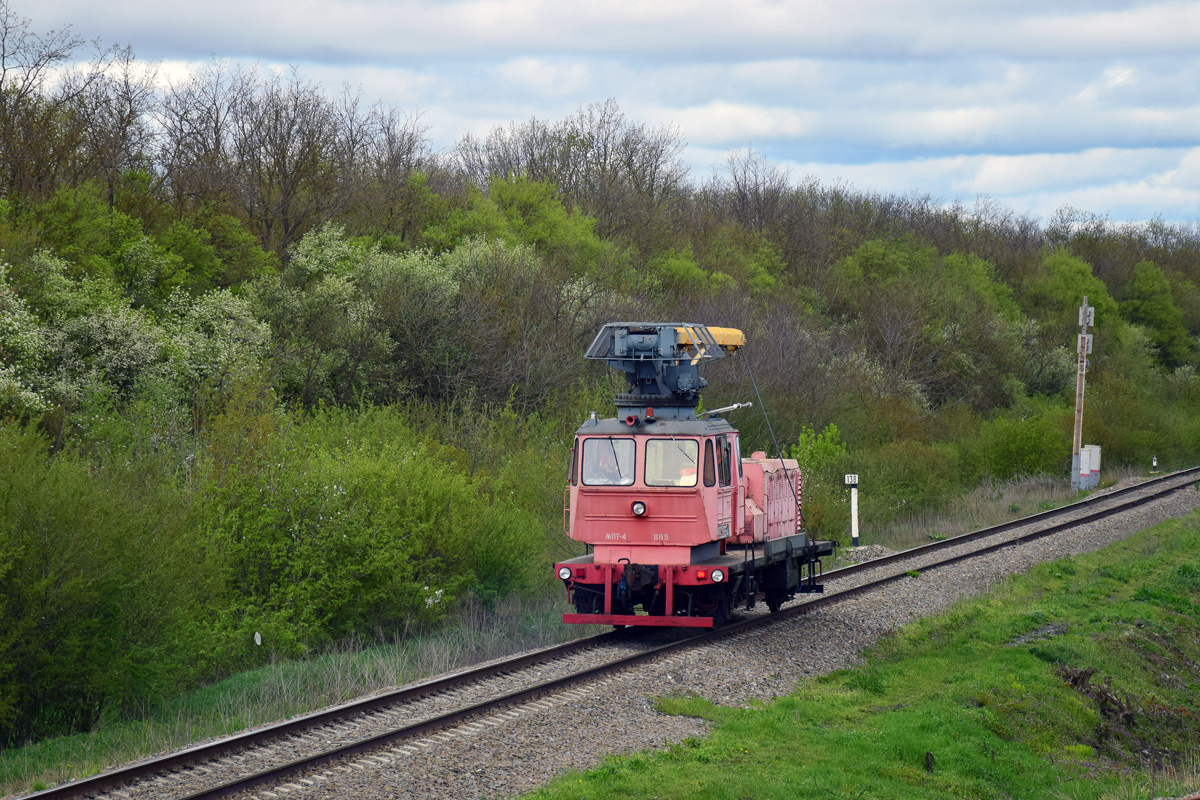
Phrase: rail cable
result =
(1158, 488)
(803, 525)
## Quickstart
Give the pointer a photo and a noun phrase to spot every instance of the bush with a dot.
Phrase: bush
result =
(905, 477)
(135, 562)
(821, 457)
(1023, 446)
(349, 523)
(103, 590)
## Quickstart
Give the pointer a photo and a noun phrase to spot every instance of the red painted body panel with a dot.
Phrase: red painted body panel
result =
(676, 517)
(643, 554)
(774, 494)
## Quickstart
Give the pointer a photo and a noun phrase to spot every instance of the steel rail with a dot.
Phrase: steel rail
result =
(276, 774)
(110, 779)
(1033, 519)
(118, 777)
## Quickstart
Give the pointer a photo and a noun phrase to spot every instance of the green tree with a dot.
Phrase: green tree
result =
(352, 323)
(746, 256)
(537, 216)
(315, 313)
(348, 523)
(519, 211)
(1149, 303)
(676, 272)
(820, 456)
(942, 322)
(1056, 291)
(103, 243)
(23, 353)
(525, 321)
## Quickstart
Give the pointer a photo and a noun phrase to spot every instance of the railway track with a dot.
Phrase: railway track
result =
(304, 751)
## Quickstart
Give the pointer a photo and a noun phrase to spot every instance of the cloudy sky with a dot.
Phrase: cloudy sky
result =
(1038, 105)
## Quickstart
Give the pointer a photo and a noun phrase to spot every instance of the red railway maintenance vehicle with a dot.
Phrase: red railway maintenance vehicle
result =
(677, 523)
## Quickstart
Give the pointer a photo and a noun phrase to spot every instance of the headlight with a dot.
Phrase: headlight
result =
(564, 572)
(638, 507)
(718, 575)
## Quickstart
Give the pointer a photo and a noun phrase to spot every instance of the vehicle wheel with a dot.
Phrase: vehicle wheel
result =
(774, 603)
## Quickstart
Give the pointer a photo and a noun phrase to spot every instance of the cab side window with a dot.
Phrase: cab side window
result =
(723, 459)
(710, 469)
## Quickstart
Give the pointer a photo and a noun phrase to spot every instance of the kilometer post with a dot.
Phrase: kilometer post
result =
(852, 482)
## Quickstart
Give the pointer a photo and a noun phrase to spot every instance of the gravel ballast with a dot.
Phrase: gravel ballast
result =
(515, 751)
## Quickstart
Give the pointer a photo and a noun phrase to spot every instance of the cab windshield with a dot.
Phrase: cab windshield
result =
(608, 461)
(671, 462)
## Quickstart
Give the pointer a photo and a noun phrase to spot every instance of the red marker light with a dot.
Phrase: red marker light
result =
(701, 574)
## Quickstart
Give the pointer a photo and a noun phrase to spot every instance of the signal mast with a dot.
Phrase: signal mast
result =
(1083, 348)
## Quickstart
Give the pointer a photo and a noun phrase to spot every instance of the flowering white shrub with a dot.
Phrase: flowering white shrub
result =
(116, 346)
(23, 348)
(213, 338)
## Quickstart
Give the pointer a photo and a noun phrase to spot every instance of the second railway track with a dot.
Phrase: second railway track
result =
(305, 754)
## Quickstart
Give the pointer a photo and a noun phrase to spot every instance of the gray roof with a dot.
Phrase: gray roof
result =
(673, 427)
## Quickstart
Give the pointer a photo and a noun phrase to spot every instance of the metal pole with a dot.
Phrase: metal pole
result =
(1082, 348)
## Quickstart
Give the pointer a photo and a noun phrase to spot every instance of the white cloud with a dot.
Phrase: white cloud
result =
(1126, 184)
(1112, 78)
(1121, 201)
(1026, 173)
(699, 29)
(1144, 29)
(547, 78)
(722, 121)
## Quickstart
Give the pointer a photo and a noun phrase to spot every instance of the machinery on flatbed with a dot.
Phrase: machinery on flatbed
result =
(681, 528)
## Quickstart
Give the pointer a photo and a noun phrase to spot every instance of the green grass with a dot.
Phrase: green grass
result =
(285, 689)
(984, 690)
(990, 504)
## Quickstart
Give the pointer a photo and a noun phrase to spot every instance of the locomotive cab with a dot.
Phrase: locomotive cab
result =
(679, 530)
(664, 494)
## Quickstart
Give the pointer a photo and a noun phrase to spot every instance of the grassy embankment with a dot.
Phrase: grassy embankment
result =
(991, 503)
(1080, 679)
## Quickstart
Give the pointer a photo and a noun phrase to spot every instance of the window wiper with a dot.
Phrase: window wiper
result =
(616, 459)
(686, 454)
